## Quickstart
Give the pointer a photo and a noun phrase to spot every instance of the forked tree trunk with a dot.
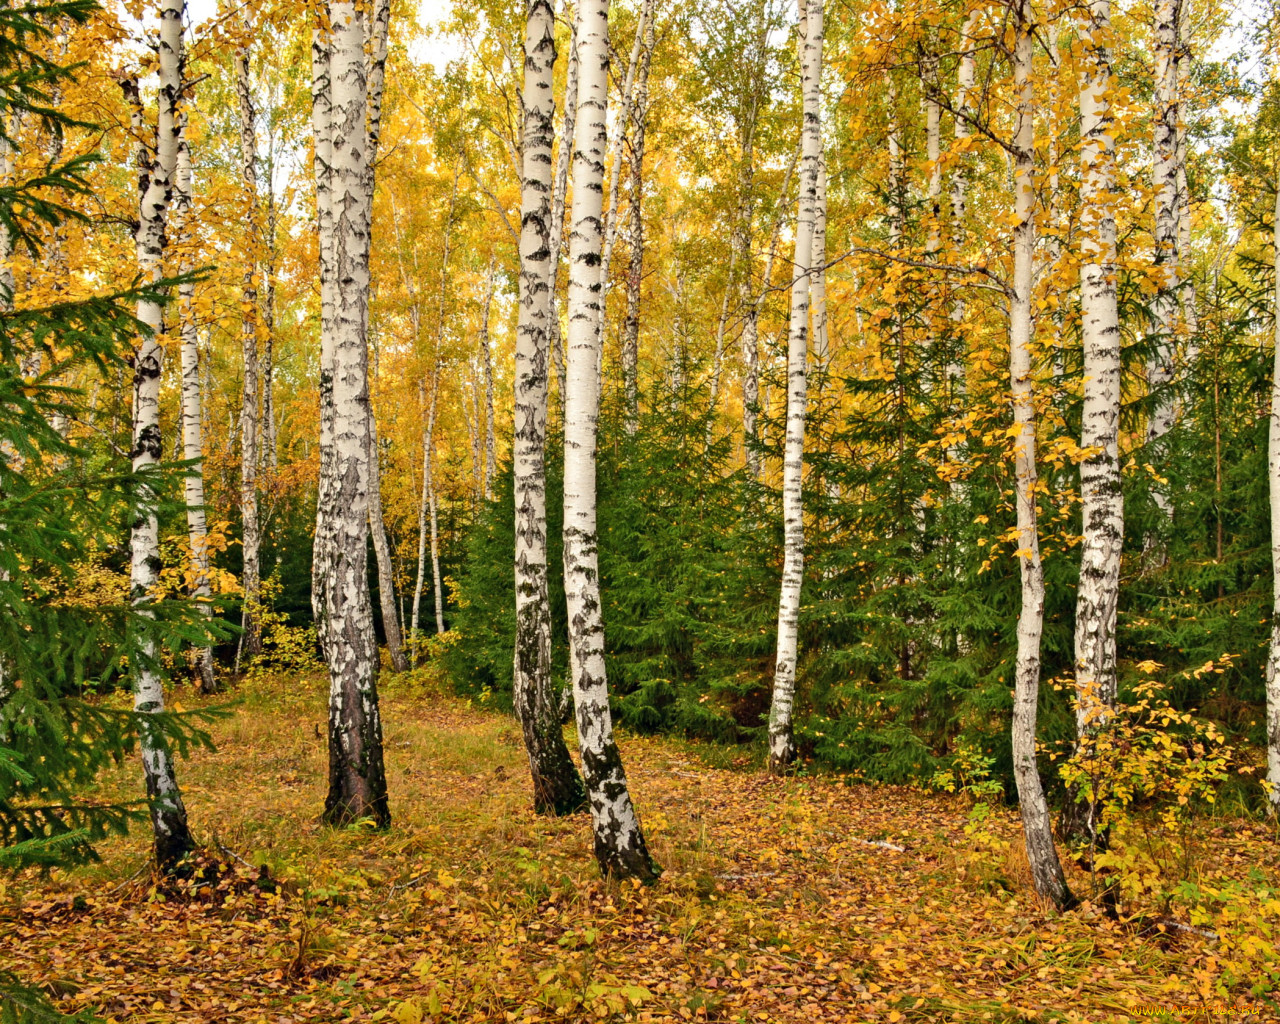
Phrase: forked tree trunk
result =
(1042, 855)
(1273, 465)
(1102, 504)
(357, 779)
(619, 843)
(557, 786)
(192, 422)
(172, 837)
(782, 747)
(251, 539)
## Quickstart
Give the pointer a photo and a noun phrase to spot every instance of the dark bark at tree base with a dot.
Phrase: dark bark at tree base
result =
(357, 782)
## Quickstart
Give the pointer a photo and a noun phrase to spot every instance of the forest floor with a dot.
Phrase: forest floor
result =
(803, 899)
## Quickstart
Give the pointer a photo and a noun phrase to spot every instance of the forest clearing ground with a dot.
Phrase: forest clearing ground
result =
(777, 905)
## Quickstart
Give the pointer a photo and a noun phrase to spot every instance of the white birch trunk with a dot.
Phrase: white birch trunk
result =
(1182, 75)
(559, 194)
(1102, 504)
(635, 267)
(322, 166)
(192, 422)
(639, 52)
(486, 364)
(557, 786)
(619, 843)
(378, 31)
(1160, 369)
(1273, 466)
(251, 540)
(382, 552)
(357, 779)
(156, 183)
(1046, 869)
(818, 278)
(750, 341)
(782, 748)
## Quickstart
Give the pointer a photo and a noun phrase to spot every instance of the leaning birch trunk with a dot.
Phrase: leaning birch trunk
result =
(635, 267)
(1167, 212)
(357, 779)
(619, 844)
(557, 786)
(192, 424)
(782, 747)
(382, 553)
(1101, 501)
(156, 182)
(1046, 869)
(251, 539)
(558, 199)
(1273, 465)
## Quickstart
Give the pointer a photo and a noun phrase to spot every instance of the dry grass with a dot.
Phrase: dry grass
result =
(777, 904)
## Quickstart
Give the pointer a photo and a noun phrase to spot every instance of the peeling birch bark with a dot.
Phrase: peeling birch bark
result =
(619, 842)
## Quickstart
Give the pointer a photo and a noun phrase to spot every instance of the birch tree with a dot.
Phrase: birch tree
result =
(1046, 869)
(782, 748)
(486, 365)
(1273, 466)
(1102, 504)
(251, 539)
(635, 265)
(557, 786)
(559, 196)
(191, 412)
(619, 843)
(156, 182)
(1167, 228)
(357, 779)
